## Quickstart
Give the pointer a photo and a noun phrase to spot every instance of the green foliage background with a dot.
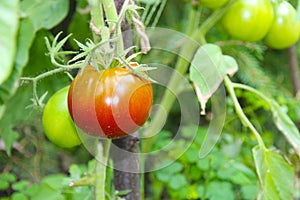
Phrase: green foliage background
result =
(33, 168)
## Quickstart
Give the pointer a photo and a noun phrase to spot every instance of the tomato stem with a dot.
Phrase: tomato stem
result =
(36, 79)
(100, 169)
(246, 122)
(97, 18)
(113, 21)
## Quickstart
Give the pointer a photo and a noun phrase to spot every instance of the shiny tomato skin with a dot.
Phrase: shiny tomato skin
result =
(285, 28)
(57, 122)
(213, 4)
(248, 20)
(109, 103)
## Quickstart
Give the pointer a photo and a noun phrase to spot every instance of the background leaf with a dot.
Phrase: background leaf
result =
(286, 126)
(271, 168)
(37, 15)
(24, 42)
(45, 14)
(8, 32)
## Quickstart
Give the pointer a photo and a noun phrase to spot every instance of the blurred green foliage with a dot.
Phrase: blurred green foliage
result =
(33, 168)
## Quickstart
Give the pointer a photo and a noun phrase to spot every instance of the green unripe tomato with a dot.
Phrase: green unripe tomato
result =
(248, 20)
(213, 4)
(285, 28)
(57, 122)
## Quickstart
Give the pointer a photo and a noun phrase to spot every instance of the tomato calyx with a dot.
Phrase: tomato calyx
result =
(138, 69)
(121, 61)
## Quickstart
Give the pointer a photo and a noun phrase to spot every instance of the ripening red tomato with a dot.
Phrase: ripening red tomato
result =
(109, 103)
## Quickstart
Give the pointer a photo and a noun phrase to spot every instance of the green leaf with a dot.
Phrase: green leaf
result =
(177, 181)
(249, 192)
(45, 14)
(9, 20)
(166, 173)
(4, 185)
(286, 125)
(9, 177)
(46, 192)
(19, 196)
(204, 163)
(192, 154)
(75, 171)
(237, 173)
(275, 175)
(54, 181)
(25, 38)
(36, 15)
(31, 190)
(15, 114)
(9, 137)
(208, 68)
(20, 186)
(220, 190)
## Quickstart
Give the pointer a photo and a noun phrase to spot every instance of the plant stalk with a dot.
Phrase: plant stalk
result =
(100, 169)
(294, 72)
(97, 18)
(112, 19)
(230, 88)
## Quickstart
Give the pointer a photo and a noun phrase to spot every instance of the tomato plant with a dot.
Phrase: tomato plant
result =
(213, 4)
(197, 65)
(57, 122)
(109, 103)
(248, 20)
(285, 28)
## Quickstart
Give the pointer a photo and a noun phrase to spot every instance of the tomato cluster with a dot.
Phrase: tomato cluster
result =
(109, 103)
(274, 22)
(285, 28)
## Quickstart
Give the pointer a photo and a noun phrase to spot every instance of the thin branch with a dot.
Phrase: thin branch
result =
(294, 71)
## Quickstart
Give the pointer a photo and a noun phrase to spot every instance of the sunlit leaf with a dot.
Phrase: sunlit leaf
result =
(24, 42)
(45, 14)
(208, 68)
(35, 15)
(9, 20)
(275, 175)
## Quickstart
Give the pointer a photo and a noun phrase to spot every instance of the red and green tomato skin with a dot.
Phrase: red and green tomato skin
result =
(57, 122)
(285, 28)
(213, 4)
(248, 20)
(109, 103)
